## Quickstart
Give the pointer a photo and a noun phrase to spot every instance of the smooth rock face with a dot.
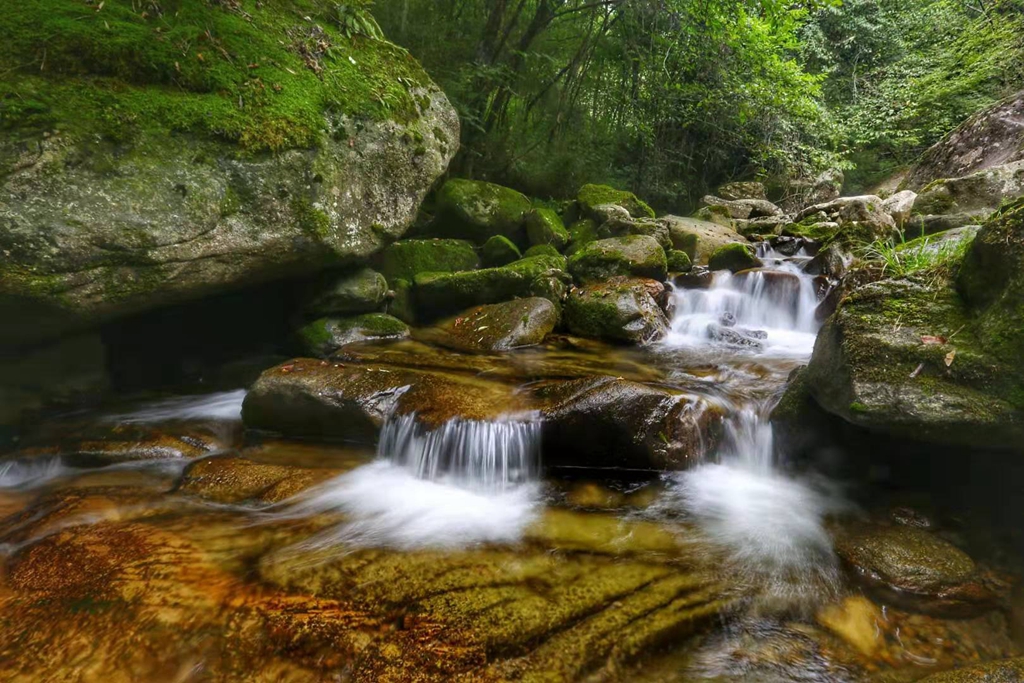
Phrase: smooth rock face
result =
(85, 243)
(496, 327)
(618, 309)
(698, 238)
(990, 138)
(477, 210)
(633, 255)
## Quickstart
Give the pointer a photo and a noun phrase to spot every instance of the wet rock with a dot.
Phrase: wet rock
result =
(591, 196)
(787, 245)
(738, 337)
(496, 327)
(361, 291)
(306, 397)
(406, 259)
(907, 516)
(916, 569)
(1003, 671)
(439, 294)
(779, 286)
(741, 190)
(634, 255)
(581, 233)
(761, 227)
(621, 227)
(678, 261)
(324, 336)
(734, 257)
(605, 422)
(832, 261)
(543, 226)
(499, 251)
(477, 210)
(618, 309)
(699, 238)
(857, 621)
(899, 206)
(110, 444)
(699, 277)
(235, 480)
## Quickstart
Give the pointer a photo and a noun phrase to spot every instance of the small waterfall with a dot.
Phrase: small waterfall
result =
(491, 455)
(219, 406)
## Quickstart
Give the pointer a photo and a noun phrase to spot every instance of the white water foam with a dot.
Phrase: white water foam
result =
(223, 406)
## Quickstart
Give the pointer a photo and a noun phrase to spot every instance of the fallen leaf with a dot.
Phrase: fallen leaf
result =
(917, 370)
(949, 357)
(929, 339)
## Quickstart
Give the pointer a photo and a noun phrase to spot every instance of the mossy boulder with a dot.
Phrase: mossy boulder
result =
(853, 220)
(678, 261)
(633, 255)
(581, 233)
(496, 327)
(405, 259)
(544, 226)
(699, 238)
(359, 291)
(163, 155)
(440, 294)
(619, 309)
(542, 250)
(324, 336)
(734, 257)
(499, 251)
(476, 210)
(591, 196)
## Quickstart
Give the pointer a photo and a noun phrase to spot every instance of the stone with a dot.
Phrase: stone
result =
(405, 259)
(992, 137)
(859, 219)
(743, 208)
(698, 238)
(440, 294)
(402, 305)
(581, 233)
(109, 443)
(603, 422)
(591, 196)
(542, 250)
(734, 257)
(761, 227)
(899, 206)
(496, 327)
(698, 277)
(499, 251)
(233, 479)
(919, 225)
(185, 193)
(678, 261)
(633, 255)
(544, 226)
(360, 291)
(975, 195)
(1002, 671)
(476, 210)
(832, 261)
(617, 309)
(802, 192)
(916, 570)
(742, 190)
(324, 336)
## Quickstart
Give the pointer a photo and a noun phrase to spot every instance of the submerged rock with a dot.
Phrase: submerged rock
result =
(235, 479)
(496, 327)
(477, 210)
(618, 309)
(634, 255)
(324, 336)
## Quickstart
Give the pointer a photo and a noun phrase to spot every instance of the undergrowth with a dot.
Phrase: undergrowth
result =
(931, 254)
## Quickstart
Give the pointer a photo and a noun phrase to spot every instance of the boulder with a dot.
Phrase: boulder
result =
(543, 226)
(742, 208)
(899, 206)
(405, 259)
(917, 570)
(761, 227)
(499, 251)
(678, 261)
(476, 210)
(607, 422)
(633, 255)
(581, 233)
(734, 257)
(591, 196)
(360, 291)
(992, 137)
(186, 169)
(617, 309)
(975, 195)
(439, 294)
(496, 327)
(543, 250)
(742, 190)
(857, 219)
(324, 336)
(801, 192)
(919, 226)
(698, 238)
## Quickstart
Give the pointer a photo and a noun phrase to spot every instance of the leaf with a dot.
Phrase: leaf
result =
(949, 357)
(928, 339)
(917, 370)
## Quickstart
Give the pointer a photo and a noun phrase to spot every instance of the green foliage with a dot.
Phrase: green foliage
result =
(900, 258)
(354, 19)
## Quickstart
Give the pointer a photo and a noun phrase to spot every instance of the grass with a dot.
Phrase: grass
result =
(900, 258)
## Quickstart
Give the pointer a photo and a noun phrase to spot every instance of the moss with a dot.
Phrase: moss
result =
(499, 251)
(325, 335)
(619, 309)
(254, 72)
(632, 255)
(544, 227)
(542, 250)
(735, 256)
(312, 220)
(590, 196)
(476, 210)
(678, 261)
(406, 258)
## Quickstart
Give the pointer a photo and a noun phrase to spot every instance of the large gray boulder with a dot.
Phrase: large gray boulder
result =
(971, 197)
(698, 238)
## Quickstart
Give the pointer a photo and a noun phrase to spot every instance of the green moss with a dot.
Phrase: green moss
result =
(544, 227)
(476, 210)
(256, 72)
(678, 261)
(325, 335)
(581, 233)
(312, 220)
(590, 196)
(542, 250)
(499, 251)
(406, 258)
(632, 255)
(857, 407)
(735, 256)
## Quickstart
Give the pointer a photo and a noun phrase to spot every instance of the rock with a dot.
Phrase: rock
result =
(788, 245)
(832, 261)
(360, 291)
(499, 251)
(699, 277)
(477, 210)
(718, 215)
(758, 227)
(859, 219)
(543, 250)
(621, 227)
(975, 195)
(581, 233)
(402, 305)
(496, 327)
(919, 226)
(543, 226)
(734, 257)
(737, 337)
(992, 137)
(324, 336)
(439, 294)
(742, 190)
(1002, 671)
(234, 480)
(185, 193)
(604, 213)
(678, 261)
(803, 192)
(916, 569)
(591, 196)
(406, 259)
(618, 309)
(112, 443)
(899, 206)
(779, 286)
(607, 422)
(698, 238)
(306, 397)
(636, 255)
(743, 208)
